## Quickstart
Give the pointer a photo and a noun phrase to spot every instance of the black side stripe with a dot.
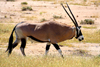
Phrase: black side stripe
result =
(36, 39)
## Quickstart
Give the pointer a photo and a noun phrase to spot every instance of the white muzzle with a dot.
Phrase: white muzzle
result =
(80, 38)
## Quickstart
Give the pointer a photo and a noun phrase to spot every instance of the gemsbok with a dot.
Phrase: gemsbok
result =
(51, 32)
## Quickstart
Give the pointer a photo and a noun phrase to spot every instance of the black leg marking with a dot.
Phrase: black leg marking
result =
(23, 44)
(14, 45)
(59, 50)
(47, 48)
(56, 46)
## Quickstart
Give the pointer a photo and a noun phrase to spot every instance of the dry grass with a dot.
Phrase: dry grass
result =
(42, 20)
(90, 27)
(29, 17)
(69, 61)
(92, 36)
(57, 17)
(5, 31)
(66, 44)
(43, 12)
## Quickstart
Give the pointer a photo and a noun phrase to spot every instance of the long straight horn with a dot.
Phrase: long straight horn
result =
(76, 24)
(68, 14)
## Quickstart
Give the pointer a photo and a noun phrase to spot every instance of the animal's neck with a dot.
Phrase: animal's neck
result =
(74, 31)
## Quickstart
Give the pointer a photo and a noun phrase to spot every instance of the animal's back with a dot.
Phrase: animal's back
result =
(51, 30)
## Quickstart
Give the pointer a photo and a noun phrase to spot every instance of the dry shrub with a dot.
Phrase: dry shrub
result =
(10, 0)
(24, 3)
(42, 20)
(27, 8)
(57, 17)
(87, 21)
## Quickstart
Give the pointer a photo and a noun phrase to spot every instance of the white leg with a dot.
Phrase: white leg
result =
(59, 50)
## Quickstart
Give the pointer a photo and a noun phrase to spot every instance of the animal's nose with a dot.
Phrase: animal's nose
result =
(83, 38)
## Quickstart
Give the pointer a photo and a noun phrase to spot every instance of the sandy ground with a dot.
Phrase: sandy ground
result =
(79, 49)
(11, 12)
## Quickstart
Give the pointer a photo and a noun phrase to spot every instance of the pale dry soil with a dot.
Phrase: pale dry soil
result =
(79, 49)
(10, 13)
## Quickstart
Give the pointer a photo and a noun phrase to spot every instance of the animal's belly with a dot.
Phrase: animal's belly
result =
(42, 36)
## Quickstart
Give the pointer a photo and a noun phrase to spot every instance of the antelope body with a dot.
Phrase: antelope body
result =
(51, 32)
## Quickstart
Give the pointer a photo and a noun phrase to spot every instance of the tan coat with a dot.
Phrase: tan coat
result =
(53, 31)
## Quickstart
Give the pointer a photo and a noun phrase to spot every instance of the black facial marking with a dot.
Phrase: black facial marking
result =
(78, 32)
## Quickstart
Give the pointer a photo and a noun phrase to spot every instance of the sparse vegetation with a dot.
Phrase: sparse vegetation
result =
(57, 17)
(90, 27)
(10, 0)
(27, 8)
(5, 16)
(96, 3)
(94, 16)
(87, 21)
(82, 52)
(24, 3)
(43, 19)
(87, 2)
(24, 8)
(42, 12)
(29, 17)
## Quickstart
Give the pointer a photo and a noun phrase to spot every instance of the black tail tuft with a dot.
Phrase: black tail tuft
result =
(10, 42)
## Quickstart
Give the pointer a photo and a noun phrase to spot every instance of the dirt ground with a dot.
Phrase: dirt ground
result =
(11, 13)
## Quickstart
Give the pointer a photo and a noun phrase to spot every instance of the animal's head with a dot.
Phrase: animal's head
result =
(79, 35)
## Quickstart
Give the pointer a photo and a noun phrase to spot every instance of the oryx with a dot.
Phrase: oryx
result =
(51, 32)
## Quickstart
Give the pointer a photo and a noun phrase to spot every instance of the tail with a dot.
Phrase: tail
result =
(11, 41)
